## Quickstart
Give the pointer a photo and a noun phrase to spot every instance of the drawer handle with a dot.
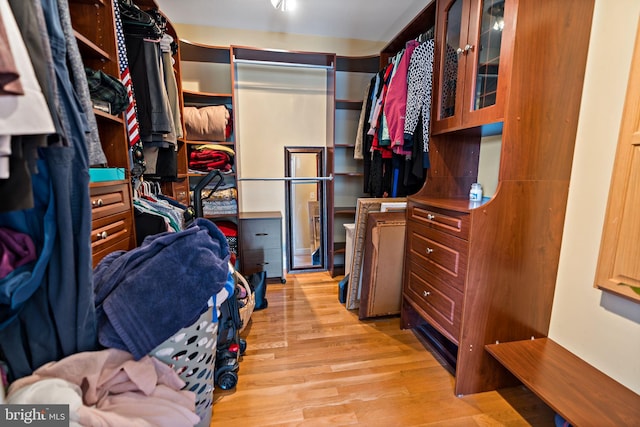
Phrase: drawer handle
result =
(103, 235)
(426, 293)
(262, 234)
(262, 263)
(429, 250)
(98, 202)
(431, 217)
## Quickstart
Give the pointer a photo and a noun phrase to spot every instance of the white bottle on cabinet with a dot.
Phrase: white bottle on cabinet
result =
(475, 195)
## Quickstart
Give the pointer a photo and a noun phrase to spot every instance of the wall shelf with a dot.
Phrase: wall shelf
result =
(89, 49)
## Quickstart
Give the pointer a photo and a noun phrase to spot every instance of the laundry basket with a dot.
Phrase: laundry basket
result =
(248, 302)
(191, 352)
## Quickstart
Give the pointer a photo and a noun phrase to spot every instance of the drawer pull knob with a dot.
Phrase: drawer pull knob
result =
(426, 293)
(103, 235)
(430, 216)
(262, 234)
(429, 250)
(98, 202)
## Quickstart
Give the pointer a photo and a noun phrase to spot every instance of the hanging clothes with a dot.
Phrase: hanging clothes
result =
(396, 103)
(395, 145)
(366, 138)
(419, 93)
(25, 119)
(143, 36)
(46, 306)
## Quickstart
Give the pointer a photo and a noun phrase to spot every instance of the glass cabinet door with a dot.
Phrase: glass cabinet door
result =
(475, 38)
(488, 53)
(450, 60)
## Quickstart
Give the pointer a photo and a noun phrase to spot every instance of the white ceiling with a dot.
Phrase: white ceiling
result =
(377, 20)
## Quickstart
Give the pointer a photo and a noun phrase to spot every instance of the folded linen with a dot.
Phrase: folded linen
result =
(206, 123)
(145, 295)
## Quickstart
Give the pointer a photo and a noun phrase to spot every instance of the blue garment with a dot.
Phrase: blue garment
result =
(71, 295)
(147, 294)
(38, 223)
(47, 310)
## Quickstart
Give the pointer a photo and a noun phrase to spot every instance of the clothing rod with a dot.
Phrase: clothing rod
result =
(280, 64)
(289, 178)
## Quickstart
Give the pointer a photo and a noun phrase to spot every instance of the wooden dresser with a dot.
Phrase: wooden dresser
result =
(261, 244)
(111, 218)
(437, 251)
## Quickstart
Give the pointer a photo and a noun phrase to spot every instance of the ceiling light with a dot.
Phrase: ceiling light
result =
(284, 5)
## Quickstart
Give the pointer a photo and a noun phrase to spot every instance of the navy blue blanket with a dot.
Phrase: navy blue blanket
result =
(147, 294)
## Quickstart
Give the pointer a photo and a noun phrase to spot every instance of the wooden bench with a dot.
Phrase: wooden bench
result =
(580, 393)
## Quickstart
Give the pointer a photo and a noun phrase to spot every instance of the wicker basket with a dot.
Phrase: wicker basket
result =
(248, 303)
(191, 352)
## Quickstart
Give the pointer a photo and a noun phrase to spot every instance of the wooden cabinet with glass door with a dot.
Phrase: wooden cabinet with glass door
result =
(480, 274)
(473, 54)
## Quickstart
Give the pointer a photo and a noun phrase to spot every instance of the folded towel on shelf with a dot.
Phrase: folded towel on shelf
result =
(206, 123)
(220, 207)
(145, 295)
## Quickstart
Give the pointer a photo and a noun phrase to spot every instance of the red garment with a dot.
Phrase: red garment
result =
(206, 160)
(395, 103)
(229, 129)
(209, 165)
(207, 154)
(228, 228)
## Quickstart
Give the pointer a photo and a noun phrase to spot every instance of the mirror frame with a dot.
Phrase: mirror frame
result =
(289, 152)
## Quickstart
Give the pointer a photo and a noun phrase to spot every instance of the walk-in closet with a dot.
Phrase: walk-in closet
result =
(288, 212)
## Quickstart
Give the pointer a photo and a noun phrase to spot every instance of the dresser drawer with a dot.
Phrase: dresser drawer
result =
(108, 199)
(439, 301)
(269, 260)
(261, 234)
(440, 253)
(448, 221)
(106, 249)
(108, 230)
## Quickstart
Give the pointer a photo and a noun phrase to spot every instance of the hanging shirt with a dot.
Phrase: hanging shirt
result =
(419, 90)
(396, 101)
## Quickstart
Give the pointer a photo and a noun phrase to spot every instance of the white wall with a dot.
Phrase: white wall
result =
(602, 329)
(277, 107)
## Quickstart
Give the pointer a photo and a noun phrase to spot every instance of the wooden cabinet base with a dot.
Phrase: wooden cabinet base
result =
(111, 219)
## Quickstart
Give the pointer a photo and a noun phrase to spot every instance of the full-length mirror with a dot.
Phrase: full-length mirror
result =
(305, 207)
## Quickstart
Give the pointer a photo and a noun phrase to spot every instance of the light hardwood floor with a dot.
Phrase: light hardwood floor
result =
(311, 362)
